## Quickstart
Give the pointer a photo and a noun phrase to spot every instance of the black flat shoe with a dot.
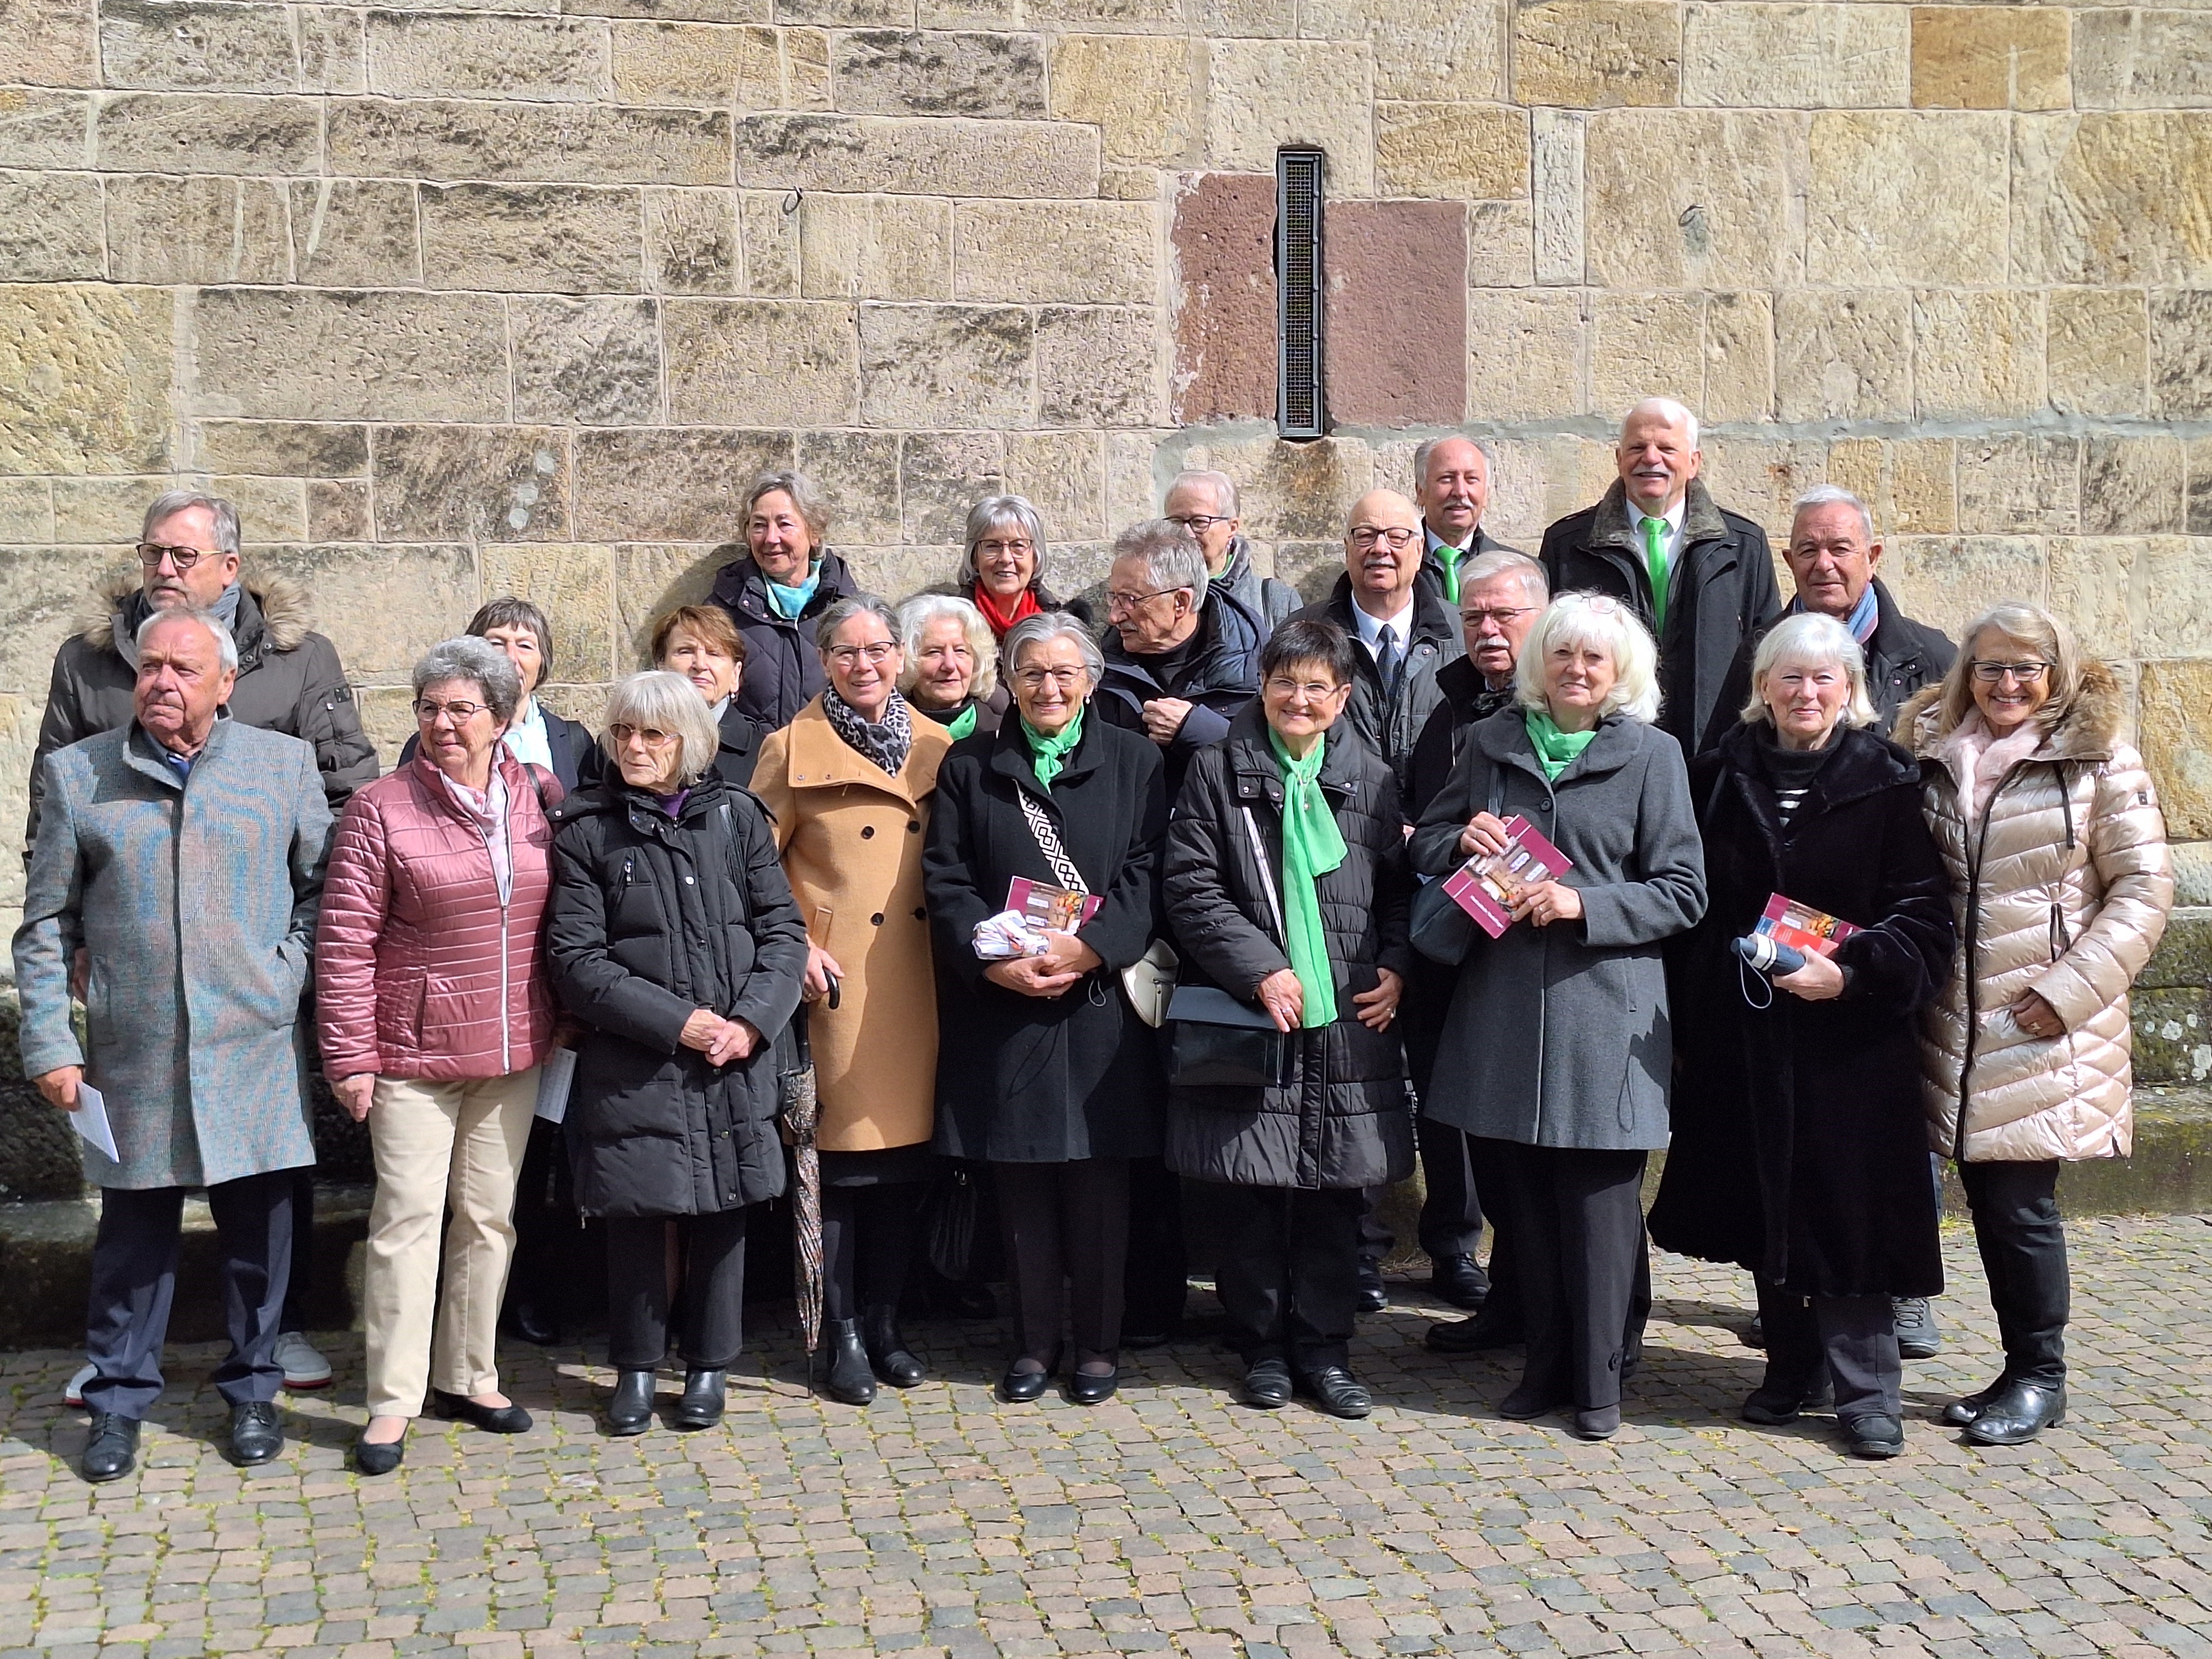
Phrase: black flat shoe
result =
(1771, 1406)
(888, 1357)
(528, 1323)
(851, 1380)
(1268, 1384)
(1020, 1387)
(1530, 1399)
(1338, 1392)
(1965, 1409)
(1460, 1280)
(1596, 1422)
(1089, 1389)
(1480, 1334)
(1874, 1436)
(2018, 1413)
(630, 1408)
(705, 1395)
(492, 1419)
(378, 1457)
(1372, 1297)
(255, 1434)
(111, 1452)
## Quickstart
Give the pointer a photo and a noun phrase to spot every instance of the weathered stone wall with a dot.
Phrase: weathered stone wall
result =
(463, 298)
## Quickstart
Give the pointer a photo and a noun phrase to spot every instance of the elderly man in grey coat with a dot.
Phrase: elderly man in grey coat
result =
(182, 854)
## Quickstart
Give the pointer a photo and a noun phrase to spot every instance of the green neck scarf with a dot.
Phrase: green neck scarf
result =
(1312, 847)
(1555, 749)
(1049, 755)
(963, 724)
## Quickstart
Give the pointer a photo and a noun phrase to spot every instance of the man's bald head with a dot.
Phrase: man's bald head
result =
(1383, 551)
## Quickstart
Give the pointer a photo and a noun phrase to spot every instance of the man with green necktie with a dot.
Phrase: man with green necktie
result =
(1701, 577)
(1451, 485)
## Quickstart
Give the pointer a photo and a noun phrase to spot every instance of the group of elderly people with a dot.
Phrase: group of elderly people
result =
(1101, 917)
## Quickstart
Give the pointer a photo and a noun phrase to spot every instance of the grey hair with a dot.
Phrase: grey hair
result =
(509, 612)
(226, 645)
(1222, 486)
(1601, 620)
(1170, 553)
(1817, 641)
(1047, 625)
(664, 702)
(859, 605)
(1677, 413)
(987, 515)
(1828, 495)
(804, 497)
(1428, 448)
(479, 661)
(914, 617)
(1483, 566)
(170, 503)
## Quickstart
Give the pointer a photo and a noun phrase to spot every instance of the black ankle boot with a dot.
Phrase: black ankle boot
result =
(851, 1378)
(887, 1354)
(630, 1410)
(705, 1394)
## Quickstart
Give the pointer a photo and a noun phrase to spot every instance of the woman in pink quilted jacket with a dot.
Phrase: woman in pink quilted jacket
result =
(2061, 883)
(435, 1012)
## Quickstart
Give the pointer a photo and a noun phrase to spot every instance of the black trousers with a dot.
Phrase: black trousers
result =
(1854, 1337)
(134, 1285)
(300, 1284)
(1289, 1272)
(1577, 1221)
(714, 1289)
(547, 1230)
(1452, 1210)
(1155, 1279)
(2022, 1239)
(1067, 1232)
(869, 1237)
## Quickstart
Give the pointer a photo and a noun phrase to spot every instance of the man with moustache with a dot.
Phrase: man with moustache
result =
(1451, 483)
(1700, 577)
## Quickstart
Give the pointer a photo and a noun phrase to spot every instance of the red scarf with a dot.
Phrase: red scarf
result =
(1001, 620)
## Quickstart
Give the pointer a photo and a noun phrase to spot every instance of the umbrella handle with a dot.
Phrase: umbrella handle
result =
(837, 988)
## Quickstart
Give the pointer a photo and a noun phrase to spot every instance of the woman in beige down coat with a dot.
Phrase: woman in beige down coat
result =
(2051, 828)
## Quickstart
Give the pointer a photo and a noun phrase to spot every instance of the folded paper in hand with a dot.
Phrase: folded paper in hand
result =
(1487, 885)
(90, 1119)
(555, 1078)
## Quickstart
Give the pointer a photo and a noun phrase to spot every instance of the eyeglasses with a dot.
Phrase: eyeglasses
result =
(1990, 673)
(1366, 535)
(1130, 601)
(1033, 679)
(1020, 550)
(1476, 618)
(1199, 523)
(459, 713)
(621, 732)
(150, 554)
(1312, 690)
(846, 656)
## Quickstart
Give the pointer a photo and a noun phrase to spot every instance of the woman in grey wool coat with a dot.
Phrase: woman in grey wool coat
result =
(1558, 1049)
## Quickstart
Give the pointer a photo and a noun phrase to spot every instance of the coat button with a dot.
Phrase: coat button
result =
(877, 920)
(920, 914)
(687, 881)
(867, 832)
(914, 826)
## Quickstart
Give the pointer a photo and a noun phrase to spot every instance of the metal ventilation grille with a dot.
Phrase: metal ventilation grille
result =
(1298, 412)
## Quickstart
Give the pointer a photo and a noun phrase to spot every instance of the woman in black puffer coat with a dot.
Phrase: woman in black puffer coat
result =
(1288, 1163)
(675, 940)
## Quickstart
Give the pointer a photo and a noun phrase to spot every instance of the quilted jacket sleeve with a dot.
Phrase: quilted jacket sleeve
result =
(356, 901)
(2126, 837)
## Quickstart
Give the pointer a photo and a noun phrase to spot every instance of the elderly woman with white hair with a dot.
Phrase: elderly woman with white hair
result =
(675, 942)
(1557, 1052)
(951, 672)
(1799, 1152)
(1002, 570)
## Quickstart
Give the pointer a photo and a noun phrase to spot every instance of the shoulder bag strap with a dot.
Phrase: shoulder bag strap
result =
(1047, 840)
(1266, 875)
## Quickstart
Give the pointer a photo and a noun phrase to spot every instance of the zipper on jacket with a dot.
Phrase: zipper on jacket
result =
(2059, 943)
(1973, 1031)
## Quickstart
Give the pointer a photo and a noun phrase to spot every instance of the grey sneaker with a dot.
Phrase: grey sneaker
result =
(1917, 1335)
(304, 1367)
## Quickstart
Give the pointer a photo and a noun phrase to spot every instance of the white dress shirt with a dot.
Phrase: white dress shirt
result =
(1370, 627)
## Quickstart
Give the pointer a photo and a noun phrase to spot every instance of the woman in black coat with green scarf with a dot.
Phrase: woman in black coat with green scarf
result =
(1799, 1148)
(1043, 1068)
(1287, 888)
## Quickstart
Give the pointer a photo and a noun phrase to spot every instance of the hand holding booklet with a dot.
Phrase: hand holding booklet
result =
(1488, 885)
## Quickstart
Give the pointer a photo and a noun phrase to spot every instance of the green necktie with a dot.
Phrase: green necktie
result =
(1449, 557)
(1655, 561)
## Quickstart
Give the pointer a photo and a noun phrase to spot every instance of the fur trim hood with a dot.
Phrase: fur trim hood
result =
(2091, 730)
(287, 617)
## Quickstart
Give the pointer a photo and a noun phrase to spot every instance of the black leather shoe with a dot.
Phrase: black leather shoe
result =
(1919, 1336)
(111, 1452)
(1268, 1384)
(1460, 1280)
(705, 1394)
(378, 1457)
(1874, 1436)
(2018, 1413)
(255, 1434)
(1093, 1388)
(1597, 1422)
(966, 1301)
(887, 1354)
(509, 1418)
(1480, 1334)
(1754, 1335)
(630, 1408)
(851, 1380)
(1338, 1392)
(1528, 1401)
(1019, 1387)
(527, 1321)
(1772, 1407)
(1372, 1297)
(1966, 1408)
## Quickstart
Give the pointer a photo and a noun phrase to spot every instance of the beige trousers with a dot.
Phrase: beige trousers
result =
(439, 1145)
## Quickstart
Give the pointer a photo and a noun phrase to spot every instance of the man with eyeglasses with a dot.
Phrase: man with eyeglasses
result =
(1204, 504)
(288, 680)
(1699, 577)
(1451, 484)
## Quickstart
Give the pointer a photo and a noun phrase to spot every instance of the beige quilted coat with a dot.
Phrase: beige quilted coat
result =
(2062, 888)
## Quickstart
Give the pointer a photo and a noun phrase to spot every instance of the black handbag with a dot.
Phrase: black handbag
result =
(1440, 929)
(1215, 1041)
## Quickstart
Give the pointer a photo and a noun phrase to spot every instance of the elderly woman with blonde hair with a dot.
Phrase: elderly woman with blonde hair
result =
(951, 672)
(2061, 881)
(676, 943)
(1557, 1053)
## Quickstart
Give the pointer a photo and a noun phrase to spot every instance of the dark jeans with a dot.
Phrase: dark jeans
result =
(714, 1289)
(1067, 1230)
(1577, 1223)
(300, 1285)
(869, 1237)
(1156, 1278)
(134, 1285)
(1853, 1336)
(2022, 1240)
(1289, 1272)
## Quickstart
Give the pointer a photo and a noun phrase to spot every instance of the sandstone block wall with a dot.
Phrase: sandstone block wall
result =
(458, 297)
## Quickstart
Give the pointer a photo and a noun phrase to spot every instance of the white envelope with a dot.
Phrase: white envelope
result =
(90, 1119)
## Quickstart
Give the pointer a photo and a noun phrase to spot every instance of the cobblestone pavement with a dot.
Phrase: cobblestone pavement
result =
(1170, 1520)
